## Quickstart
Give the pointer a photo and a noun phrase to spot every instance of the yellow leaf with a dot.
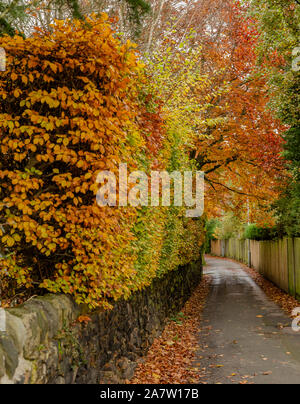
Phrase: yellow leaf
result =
(24, 79)
(10, 242)
(17, 92)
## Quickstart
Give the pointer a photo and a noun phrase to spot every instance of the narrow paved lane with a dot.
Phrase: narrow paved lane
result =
(244, 336)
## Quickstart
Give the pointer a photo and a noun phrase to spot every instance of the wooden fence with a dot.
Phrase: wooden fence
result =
(278, 261)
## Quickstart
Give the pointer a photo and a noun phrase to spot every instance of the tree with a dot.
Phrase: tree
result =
(279, 22)
(137, 9)
(237, 141)
(25, 16)
(10, 10)
(74, 102)
(130, 13)
(288, 205)
(15, 13)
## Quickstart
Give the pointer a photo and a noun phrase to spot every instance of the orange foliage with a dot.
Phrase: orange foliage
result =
(238, 143)
(241, 155)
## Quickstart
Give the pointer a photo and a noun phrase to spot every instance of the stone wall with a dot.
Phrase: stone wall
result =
(278, 260)
(44, 343)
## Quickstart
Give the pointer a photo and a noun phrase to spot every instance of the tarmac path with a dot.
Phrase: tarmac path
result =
(245, 337)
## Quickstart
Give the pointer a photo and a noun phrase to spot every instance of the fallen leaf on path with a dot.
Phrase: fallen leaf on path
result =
(284, 300)
(170, 343)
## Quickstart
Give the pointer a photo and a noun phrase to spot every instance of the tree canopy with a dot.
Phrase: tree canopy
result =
(24, 15)
(279, 25)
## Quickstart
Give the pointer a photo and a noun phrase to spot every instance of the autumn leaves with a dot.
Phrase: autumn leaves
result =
(75, 102)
